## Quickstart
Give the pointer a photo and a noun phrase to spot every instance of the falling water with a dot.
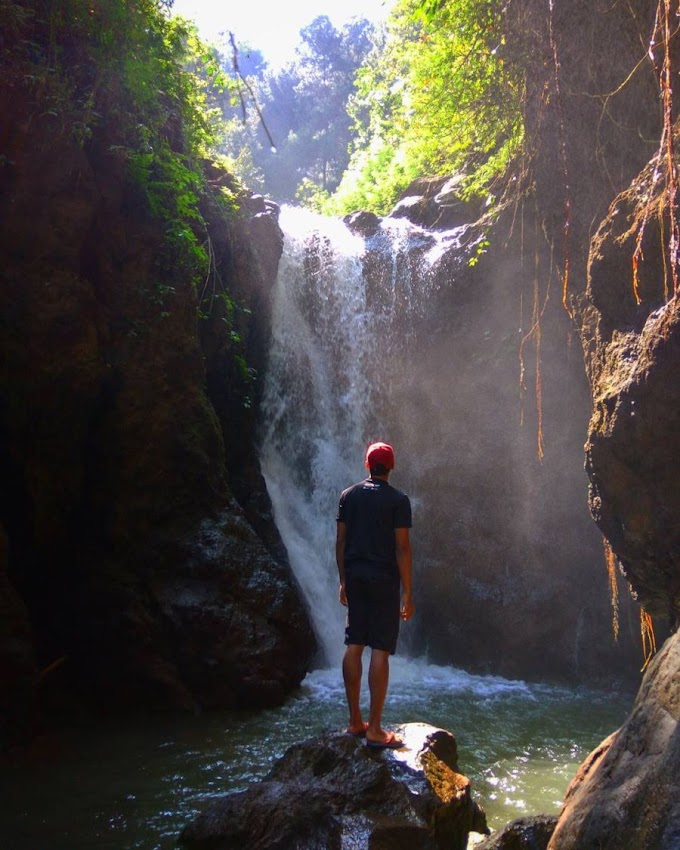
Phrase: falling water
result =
(315, 394)
(340, 341)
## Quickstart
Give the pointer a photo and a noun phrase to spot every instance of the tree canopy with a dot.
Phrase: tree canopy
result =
(296, 128)
(362, 111)
(445, 87)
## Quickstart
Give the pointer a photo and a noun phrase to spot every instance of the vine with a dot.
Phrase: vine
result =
(662, 35)
(535, 333)
(563, 157)
(648, 638)
(610, 560)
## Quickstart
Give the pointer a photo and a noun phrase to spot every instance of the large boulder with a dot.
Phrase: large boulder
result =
(333, 792)
(241, 636)
(631, 341)
(627, 793)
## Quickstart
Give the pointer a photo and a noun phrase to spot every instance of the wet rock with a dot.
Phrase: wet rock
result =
(531, 833)
(435, 202)
(334, 792)
(627, 793)
(364, 223)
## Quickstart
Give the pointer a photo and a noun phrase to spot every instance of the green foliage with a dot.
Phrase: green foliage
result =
(374, 179)
(217, 303)
(154, 83)
(304, 107)
(482, 247)
(439, 96)
(171, 78)
(236, 149)
(128, 82)
(309, 194)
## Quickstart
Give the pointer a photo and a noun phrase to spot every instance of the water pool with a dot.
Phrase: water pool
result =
(131, 784)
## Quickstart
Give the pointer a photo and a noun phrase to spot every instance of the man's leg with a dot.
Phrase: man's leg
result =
(351, 673)
(378, 679)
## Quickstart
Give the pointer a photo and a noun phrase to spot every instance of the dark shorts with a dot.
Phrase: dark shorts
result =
(373, 611)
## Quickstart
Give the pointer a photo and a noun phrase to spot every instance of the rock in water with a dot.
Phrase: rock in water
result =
(334, 792)
(530, 833)
(626, 795)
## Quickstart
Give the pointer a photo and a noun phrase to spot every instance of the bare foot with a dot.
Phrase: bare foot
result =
(387, 741)
(357, 731)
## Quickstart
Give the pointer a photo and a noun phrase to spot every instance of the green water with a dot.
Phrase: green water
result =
(134, 784)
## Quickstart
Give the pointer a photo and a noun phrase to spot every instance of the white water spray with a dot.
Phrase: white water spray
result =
(313, 409)
(340, 341)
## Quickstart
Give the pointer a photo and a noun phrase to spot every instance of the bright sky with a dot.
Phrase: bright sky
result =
(272, 26)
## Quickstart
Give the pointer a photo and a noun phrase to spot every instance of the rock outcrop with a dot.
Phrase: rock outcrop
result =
(333, 791)
(143, 566)
(627, 793)
(435, 203)
(632, 351)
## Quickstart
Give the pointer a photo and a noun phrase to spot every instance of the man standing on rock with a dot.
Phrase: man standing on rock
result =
(373, 553)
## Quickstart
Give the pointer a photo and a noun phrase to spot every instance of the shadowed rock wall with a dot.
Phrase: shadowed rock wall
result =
(141, 566)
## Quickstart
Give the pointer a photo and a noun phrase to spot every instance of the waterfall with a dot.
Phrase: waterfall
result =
(340, 341)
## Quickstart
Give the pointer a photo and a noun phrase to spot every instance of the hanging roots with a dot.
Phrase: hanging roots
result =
(536, 334)
(610, 559)
(563, 161)
(648, 637)
(661, 37)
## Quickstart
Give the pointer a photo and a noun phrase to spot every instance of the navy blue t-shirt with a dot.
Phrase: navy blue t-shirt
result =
(371, 510)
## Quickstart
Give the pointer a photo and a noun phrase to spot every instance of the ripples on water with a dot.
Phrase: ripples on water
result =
(134, 784)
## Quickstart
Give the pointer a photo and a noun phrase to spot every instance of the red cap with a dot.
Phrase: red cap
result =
(380, 453)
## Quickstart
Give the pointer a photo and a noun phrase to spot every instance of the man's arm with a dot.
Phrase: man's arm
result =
(403, 549)
(340, 558)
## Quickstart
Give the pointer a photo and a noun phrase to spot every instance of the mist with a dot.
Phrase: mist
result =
(394, 335)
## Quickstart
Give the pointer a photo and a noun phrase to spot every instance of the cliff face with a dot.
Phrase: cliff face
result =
(627, 792)
(139, 560)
